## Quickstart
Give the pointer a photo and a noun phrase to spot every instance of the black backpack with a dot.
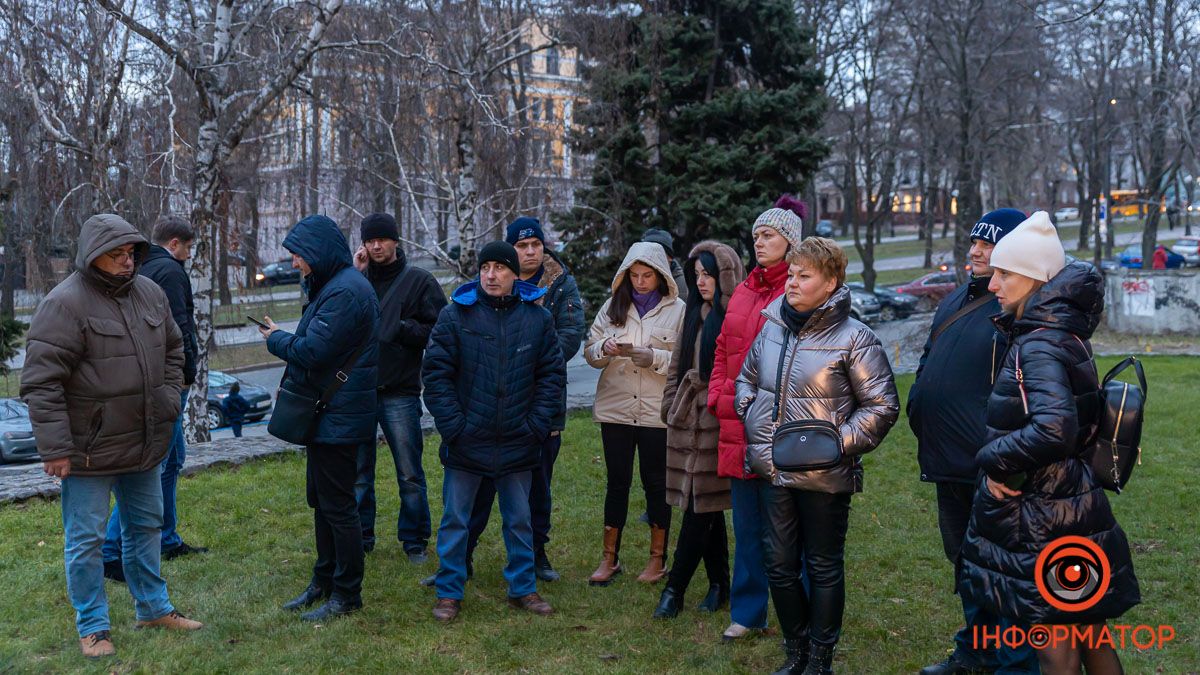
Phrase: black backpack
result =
(1116, 449)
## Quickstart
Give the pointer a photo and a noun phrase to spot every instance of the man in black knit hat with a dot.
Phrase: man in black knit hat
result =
(410, 300)
(494, 379)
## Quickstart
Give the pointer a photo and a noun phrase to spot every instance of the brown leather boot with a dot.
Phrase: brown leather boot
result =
(656, 566)
(610, 566)
(97, 645)
(446, 609)
(532, 603)
(172, 621)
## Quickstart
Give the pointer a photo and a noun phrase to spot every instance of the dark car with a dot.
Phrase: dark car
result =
(864, 306)
(824, 228)
(1131, 257)
(218, 388)
(16, 433)
(278, 273)
(892, 305)
(929, 289)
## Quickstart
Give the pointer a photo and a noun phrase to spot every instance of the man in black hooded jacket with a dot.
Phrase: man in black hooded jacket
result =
(947, 408)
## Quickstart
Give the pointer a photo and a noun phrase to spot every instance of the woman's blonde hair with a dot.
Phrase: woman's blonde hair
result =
(821, 254)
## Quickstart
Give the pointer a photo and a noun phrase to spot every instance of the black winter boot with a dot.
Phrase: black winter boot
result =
(796, 653)
(668, 604)
(820, 659)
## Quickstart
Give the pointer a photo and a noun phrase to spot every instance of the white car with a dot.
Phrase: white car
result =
(1068, 213)
(1189, 248)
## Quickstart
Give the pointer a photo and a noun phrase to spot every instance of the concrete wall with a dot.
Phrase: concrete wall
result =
(1157, 302)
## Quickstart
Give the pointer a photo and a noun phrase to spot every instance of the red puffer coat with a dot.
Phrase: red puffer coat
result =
(743, 321)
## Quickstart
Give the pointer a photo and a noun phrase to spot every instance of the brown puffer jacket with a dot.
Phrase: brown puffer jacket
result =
(835, 370)
(691, 429)
(104, 363)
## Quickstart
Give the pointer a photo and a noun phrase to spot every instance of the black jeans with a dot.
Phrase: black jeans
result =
(701, 537)
(540, 503)
(621, 441)
(954, 502)
(331, 472)
(807, 528)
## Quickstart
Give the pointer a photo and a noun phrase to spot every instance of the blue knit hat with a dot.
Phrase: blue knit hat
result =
(995, 224)
(524, 228)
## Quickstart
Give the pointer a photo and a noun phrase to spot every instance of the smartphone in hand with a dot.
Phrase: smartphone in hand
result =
(624, 348)
(259, 323)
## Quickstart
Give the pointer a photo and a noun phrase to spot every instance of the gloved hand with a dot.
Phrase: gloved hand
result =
(642, 357)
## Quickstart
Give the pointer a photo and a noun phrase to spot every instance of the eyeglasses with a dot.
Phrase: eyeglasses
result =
(120, 257)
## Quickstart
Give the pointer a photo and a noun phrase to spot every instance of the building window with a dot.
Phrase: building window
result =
(551, 61)
(548, 110)
(535, 109)
(526, 57)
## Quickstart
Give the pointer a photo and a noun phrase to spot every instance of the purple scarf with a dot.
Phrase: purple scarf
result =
(646, 302)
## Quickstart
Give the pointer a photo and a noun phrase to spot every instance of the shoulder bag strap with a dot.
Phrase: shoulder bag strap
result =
(963, 311)
(779, 383)
(341, 376)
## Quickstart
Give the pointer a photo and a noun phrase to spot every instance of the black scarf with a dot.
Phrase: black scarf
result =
(793, 318)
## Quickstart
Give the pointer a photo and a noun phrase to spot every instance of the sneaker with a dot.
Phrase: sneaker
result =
(96, 645)
(417, 556)
(736, 631)
(115, 570)
(182, 550)
(172, 621)
(429, 581)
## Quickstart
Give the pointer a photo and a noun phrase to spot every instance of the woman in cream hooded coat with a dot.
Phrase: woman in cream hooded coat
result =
(631, 340)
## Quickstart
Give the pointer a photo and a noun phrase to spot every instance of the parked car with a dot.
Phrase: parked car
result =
(929, 289)
(824, 228)
(864, 306)
(1131, 257)
(278, 273)
(1110, 265)
(16, 433)
(1189, 248)
(892, 305)
(1067, 213)
(218, 388)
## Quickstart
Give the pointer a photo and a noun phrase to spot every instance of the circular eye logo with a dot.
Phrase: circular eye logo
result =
(1072, 573)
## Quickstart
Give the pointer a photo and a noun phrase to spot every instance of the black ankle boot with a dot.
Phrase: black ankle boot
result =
(333, 607)
(310, 596)
(718, 597)
(542, 568)
(795, 652)
(820, 660)
(668, 604)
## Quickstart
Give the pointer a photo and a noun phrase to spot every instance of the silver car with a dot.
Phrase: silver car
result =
(1189, 248)
(16, 433)
(864, 306)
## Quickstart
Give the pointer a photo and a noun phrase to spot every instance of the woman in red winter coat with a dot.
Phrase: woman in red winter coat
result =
(776, 231)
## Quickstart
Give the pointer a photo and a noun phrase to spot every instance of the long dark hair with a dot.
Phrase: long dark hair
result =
(709, 327)
(622, 298)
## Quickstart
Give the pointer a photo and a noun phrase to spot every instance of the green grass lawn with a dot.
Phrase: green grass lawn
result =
(899, 614)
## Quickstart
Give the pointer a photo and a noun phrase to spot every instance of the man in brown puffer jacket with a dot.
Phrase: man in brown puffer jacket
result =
(102, 378)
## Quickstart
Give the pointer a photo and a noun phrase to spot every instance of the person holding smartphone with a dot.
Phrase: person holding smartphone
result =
(631, 341)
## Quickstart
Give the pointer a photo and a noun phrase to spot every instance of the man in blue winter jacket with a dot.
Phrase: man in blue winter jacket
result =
(494, 379)
(340, 318)
(947, 409)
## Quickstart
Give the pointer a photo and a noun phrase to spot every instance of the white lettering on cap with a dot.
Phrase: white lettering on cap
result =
(525, 234)
(986, 231)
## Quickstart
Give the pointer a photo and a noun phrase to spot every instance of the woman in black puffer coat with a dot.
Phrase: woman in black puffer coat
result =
(1034, 488)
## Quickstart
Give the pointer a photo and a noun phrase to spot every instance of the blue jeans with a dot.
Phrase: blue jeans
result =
(172, 466)
(139, 508)
(749, 592)
(458, 495)
(400, 418)
(540, 504)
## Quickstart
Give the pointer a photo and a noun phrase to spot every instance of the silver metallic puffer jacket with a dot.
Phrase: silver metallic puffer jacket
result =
(835, 370)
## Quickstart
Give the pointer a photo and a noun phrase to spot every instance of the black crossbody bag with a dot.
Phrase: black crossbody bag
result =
(802, 445)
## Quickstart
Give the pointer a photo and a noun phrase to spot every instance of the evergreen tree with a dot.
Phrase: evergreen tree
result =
(698, 120)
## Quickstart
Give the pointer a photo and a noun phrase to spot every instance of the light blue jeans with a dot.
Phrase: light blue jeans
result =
(84, 511)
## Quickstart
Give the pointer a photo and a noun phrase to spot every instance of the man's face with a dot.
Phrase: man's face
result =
(381, 251)
(530, 252)
(299, 263)
(496, 279)
(981, 258)
(117, 262)
(179, 249)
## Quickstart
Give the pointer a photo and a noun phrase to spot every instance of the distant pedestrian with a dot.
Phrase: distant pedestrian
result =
(340, 320)
(102, 378)
(493, 382)
(235, 408)
(409, 302)
(631, 341)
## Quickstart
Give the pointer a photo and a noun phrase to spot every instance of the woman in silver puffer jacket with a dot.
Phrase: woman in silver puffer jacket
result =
(834, 371)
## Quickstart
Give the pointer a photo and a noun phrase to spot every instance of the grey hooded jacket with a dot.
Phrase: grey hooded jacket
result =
(104, 363)
(836, 371)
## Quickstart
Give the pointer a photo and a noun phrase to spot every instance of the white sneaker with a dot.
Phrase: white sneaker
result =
(736, 631)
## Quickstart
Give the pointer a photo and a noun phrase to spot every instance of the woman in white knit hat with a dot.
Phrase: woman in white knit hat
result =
(1043, 546)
